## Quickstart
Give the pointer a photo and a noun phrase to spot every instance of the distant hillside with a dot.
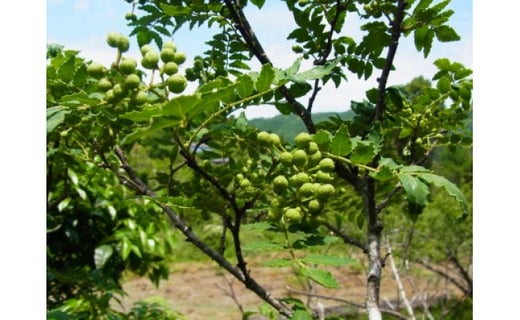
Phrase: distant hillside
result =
(288, 126)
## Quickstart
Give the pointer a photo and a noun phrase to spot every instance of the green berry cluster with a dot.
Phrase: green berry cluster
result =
(302, 182)
(171, 60)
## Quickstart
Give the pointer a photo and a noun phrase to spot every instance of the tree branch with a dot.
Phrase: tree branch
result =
(141, 188)
(392, 49)
(346, 238)
(443, 274)
(243, 26)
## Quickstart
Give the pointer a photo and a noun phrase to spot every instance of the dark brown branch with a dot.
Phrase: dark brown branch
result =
(141, 188)
(392, 49)
(453, 258)
(243, 26)
(443, 274)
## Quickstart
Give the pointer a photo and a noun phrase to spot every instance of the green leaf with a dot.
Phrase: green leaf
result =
(341, 143)
(102, 254)
(323, 139)
(363, 152)
(158, 124)
(450, 188)
(265, 78)
(175, 11)
(258, 3)
(262, 245)
(301, 314)
(446, 33)
(420, 36)
(277, 263)
(244, 85)
(327, 260)
(66, 70)
(315, 73)
(179, 107)
(55, 117)
(322, 277)
(415, 190)
(444, 84)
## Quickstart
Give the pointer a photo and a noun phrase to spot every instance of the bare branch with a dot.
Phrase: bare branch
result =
(400, 286)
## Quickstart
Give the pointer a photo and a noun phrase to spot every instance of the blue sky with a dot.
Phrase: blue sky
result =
(83, 25)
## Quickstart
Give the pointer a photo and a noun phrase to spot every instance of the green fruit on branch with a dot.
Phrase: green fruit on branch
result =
(140, 98)
(128, 65)
(263, 138)
(314, 159)
(119, 91)
(312, 148)
(123, 43)
(302, 140)
(323, 177)
(167, 55)
(177, 83)
(169, 45)
(299, 179)
(170, 68)
(113, 39)
(293, 214)
(145, 48)
(314, 206)
(325, 191)
(280, 183)
(244, 183)
(327, 165)
(274, 139)
(179, 57)
(104, 84)
(95, 70)
(286, 158)
(132, 81)
(306, 189)
(150, 60)
(300, 158)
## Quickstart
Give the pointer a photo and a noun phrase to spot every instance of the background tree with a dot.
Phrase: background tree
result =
(191, 157)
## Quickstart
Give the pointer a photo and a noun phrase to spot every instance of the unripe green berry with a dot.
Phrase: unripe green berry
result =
(244, 183)
(325, 191)
(314, 206)
(150, 60)
(170, 68)
(323, 177)
(327, 165)
(95, 70)
(140, 98)
(302, 140)
(306, 189)
(169, 45)
(299, 158)
(312, 148)
(167, 55)
(104, 84)
(280, 183)
(145, 48)
(286, 158)
(299, 179)
(177, 83)
(263, 138)
(113, 39)
(132, 81)
(274, 139)
(293, 214)
(179, 57)
(128, 65)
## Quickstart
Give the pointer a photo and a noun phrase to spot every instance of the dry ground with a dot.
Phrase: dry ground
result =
(202, 290)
